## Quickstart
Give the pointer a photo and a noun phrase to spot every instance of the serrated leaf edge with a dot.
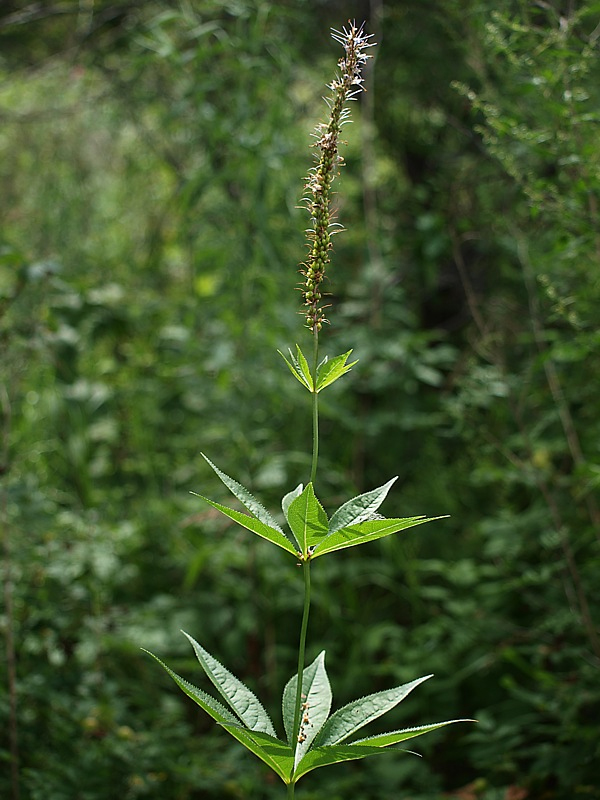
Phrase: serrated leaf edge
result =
(296, 369)
(336, 370)
(379, 495)
(246, 521)
(191, 690)
(414, 731)
(307, 495)
(357, 538)
(251, 700)
(371, 717)
(255, 507)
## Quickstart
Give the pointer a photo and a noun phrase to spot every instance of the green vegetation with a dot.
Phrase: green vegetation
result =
(151, 163)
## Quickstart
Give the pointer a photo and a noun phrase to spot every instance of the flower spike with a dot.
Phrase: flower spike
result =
(344, 87)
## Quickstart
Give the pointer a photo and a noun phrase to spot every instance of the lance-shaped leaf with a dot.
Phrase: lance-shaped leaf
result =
(307, 519)
(333, 754)
(244, 702)
(299, 368)
(367, 531)
(330, 369)
(359, 508)
(277, 754)
(393, 737)
(349, 719)
(216, 710)
(316, 704)
(225, 718)
(252, 524)
(244, 496)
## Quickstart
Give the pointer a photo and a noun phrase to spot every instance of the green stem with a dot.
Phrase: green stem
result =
(301, 651)
(315, 408)
(306, 567)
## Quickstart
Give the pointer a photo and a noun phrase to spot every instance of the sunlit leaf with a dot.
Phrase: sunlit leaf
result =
(212, 707)
(299, 368)
(347, 720)
(330, 369)
(287, 501)
(243, 701)
(303, 365)
(307, 519)
(366, 532)
(359, 508)
(254, 525)
(335, 754)
(374, 745)
(394, 737)
(316, 704)
(244, 496)
(277, 755)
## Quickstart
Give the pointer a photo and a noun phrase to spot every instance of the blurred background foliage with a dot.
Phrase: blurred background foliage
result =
(151, 162)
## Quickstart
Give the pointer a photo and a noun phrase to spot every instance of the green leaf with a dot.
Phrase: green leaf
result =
(374, 745)
(277, 754)
(261, 744)
(244, 702)
(244, 496)
(329, 370)
(305, 369)
(212, 707)
(289, 697)
(299, 368)
(287, 499)
(347, 720)
(393, 737)
(360, 508)
(256, 526)
(335, 754)
(307, 519)
(367, 532)
(316, 704)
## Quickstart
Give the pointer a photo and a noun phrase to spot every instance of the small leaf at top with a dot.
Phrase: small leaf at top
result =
(299, 368)
(303, 364)
(307, 519)
(359, 508)
(243, 701)
(244, 496)
(330, 369)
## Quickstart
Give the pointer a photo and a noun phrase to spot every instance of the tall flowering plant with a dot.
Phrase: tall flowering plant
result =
(314, 737)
